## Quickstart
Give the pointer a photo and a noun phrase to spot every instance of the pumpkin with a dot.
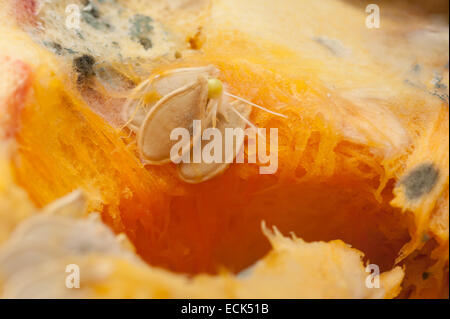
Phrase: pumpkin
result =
(362, 143)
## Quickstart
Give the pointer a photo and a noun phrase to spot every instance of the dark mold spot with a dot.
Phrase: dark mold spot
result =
(437, 81)
(420, 181)
(84, 66)
(141, 26)
(146, 43)
(80, 35)
(70, 51)
(91, 9)
(55, 47)
(443, 97)
(91, 15)
(94, 12)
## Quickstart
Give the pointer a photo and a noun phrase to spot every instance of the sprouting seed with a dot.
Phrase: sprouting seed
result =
(176, 98)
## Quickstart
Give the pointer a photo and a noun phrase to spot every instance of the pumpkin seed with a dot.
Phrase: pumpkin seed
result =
(176, 110)
(200, 172)
(188, 94)
(161, 86)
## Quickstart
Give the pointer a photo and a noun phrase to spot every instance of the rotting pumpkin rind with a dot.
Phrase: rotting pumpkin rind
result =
(266, 82)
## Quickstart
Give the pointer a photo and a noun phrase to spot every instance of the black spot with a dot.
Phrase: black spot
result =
(84, 66)
(443, 97)
(91, 20)
(56, 47)
(91, 15)
(93, 11)
(80, 35)
(146, 43)
(420, 181)
(425, 275)
(437, 81)
(70, 51)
